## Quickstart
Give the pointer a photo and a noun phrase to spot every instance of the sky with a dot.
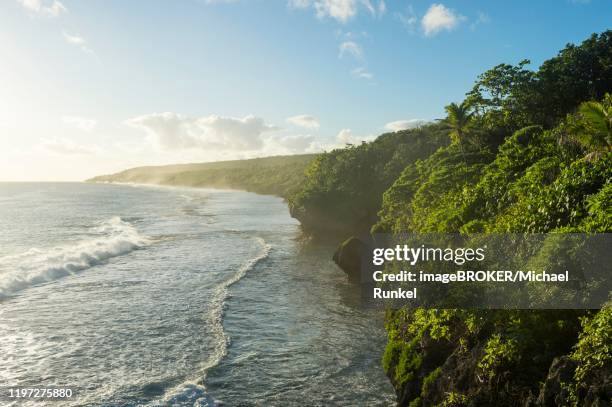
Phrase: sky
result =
(97, 86)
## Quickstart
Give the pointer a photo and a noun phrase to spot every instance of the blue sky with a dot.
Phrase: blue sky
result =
(95, 86)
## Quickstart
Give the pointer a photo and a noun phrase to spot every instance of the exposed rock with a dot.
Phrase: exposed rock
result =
(459, 374)
(561, 371)
(348, 257)
(319, 224)
(597, 392)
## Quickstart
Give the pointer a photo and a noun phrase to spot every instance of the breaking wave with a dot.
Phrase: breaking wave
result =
(218, 303)
(194, 392)
(113, 237)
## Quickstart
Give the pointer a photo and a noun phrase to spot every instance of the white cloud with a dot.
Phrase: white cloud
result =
(368, 5)
(404, 124)
(346, 136)
(44, 7)
(376, 11)
(407, 18)
(362, 73)
(303, 120)
(438, 18)
(78, 41)
(82, 123)
(350, 48)
(66, 147)
(73, 39)
(340, 10)
(223, 137)
(292, 143)
(172, 131)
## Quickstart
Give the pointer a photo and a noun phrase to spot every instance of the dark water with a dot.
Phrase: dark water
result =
(176, 296)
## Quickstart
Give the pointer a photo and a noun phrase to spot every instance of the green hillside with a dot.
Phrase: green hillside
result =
(526, 151)
(280, 175)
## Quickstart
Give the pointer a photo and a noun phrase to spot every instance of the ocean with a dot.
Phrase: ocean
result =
(157, 296)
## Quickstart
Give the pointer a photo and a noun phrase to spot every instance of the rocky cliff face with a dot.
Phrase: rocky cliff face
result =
(458, 383)
(318, 224)
(348, 257)
(441, 363)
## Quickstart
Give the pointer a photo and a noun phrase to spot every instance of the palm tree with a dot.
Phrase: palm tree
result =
(458, 120)
(594, 128)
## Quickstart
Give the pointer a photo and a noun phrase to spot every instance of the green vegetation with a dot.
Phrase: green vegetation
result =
(498, 354)
(594, 127)
(343, 189)
(526, 151)
(458, 121)
(454, 399)
(593, 352)
(281, 175)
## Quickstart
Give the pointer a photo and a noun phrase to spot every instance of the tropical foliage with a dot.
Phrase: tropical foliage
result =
(526, 151)
(342, 193)
(458, 120)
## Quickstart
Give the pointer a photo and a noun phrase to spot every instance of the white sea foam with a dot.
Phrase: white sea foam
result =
(113, 237)
(194, 392)
(218, 304)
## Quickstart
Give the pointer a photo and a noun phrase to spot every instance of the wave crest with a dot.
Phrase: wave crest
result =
(218, 303)
(194, 392)
(114, 237)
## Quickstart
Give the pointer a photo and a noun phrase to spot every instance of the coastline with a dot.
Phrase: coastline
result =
(290, 321)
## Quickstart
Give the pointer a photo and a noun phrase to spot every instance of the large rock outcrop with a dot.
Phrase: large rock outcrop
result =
(348, 257)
